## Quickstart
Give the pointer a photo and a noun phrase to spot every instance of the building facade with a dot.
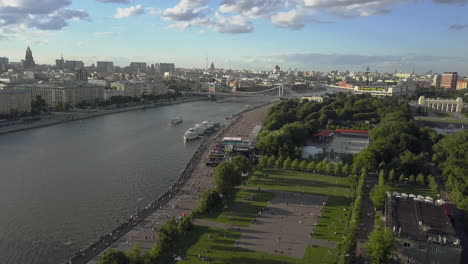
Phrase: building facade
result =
(423, 229)
(73, 65)
(436, 80)
(14, 100)
(60, 64)
(105, 66)
(162, 68)
(29, 63)
(462, 84)
(138, 67)
(449, 80)
(73, 92)
(4, 62)
(441, 104)
(401, 89)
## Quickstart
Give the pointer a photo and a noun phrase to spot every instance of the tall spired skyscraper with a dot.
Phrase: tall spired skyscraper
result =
(29, 63)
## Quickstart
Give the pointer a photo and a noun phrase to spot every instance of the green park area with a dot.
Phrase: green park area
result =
(444, 114)
(333, 220)
(218, 246)
(415, 189)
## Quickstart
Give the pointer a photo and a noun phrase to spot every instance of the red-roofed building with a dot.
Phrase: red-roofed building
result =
(352, 132)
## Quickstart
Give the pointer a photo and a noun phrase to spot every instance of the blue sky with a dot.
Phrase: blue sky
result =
(302, 34)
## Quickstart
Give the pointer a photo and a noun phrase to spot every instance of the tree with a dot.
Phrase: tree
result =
(287, 163)
(311, 166)
(420, 179)
(303, 165)
(241, 164)
(295, 164)
(433, 184)
(226, 177)
(113, 256)
(164, 249)
(210, 201)
(329, 168)
(38, 105)
(381, 246)
(378, 194)
(391, 176)
(279, 162)
(263, 162)
(321, 166)
(339, 168)
(402, 178)
(346, 169)
(412, 179)
(382, 177)
(271, 161)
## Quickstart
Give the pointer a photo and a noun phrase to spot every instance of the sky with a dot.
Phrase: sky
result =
(323, 35)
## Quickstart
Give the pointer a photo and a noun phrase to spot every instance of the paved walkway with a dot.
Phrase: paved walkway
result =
(284, 227)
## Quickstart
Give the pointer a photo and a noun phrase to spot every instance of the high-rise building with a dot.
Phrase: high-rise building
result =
(4, 62)
(162, 68)
(212, 67)
(436, 80)
(462, 84)
(105, 66)
(59, 64)
(138, 66)
(73, 65)
(449, 80)
(29, 63)
(82, 75)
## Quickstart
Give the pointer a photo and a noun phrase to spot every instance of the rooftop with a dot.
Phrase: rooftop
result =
(419, 219)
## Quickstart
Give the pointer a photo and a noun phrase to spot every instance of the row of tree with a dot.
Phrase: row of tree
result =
(323, 166)
(347, 247)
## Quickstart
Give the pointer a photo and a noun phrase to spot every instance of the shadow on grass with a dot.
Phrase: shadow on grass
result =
(247, 260)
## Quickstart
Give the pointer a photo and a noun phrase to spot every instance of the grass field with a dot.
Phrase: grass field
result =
(219, 247)
(243, 209)
(457, 121)
(449, 115)
(335, 214)
(415, 189)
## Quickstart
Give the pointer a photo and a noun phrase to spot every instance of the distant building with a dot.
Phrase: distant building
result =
(162, 68)
(436, 80)
(277, 70)
(462, 84)
(29, 63)
(60, 64)
(137, 89)
(138, 67)
(423, 229)
(399, 89)
(441, 104)
(105, 66)
(403, 75)
(82, 75)
(73, 65)
(4, 62)
(14, 100)
(449, 80)
(212, 67)
(70, 92)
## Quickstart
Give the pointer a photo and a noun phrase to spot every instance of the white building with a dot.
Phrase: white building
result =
(73, 92)
(401, 89)
(12, 100)
(441, 104)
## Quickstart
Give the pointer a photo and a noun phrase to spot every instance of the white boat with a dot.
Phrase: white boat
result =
(176, 121)
(194, 132)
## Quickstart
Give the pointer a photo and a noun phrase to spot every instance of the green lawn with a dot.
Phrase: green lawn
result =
(334, 217)
(458, 121)
(219, 246)
(449, 115)
(415, 189)
(243, 209)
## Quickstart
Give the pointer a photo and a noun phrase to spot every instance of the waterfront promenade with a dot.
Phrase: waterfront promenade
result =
(75, 116)
(182, 198)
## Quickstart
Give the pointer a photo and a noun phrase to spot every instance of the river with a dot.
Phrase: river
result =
(63, 186)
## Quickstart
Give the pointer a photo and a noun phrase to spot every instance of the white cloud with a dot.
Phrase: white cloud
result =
(232, 25)
(130, 11)
(106, 34)
(292, 19)
(44, 14)
(186, 10)
(252, 8)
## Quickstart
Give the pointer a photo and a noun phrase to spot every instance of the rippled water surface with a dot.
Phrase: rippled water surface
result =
(63, 186)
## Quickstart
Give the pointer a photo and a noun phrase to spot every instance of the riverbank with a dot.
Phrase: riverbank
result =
(181, 198)
(80, 116)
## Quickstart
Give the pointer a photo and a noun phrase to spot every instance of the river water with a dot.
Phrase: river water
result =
(63, 186)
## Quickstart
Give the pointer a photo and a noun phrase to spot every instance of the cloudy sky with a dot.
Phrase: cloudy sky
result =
(298, 34)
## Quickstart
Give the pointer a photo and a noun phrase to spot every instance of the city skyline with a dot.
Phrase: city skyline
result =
(300, 34)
